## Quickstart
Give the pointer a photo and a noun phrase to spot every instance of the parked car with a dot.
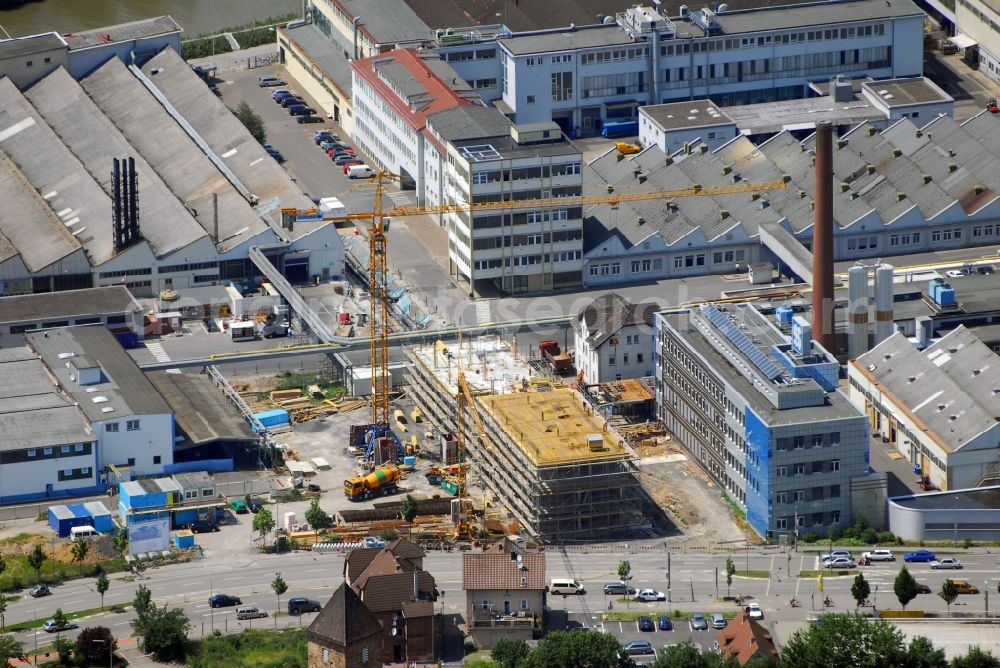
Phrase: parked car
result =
(289, 100)
(835, 554)
(985, 270)
(718, 621)
(372, 541)
(331, 142)
(955, 273)
(324, 135)
(650, 595)
(879, 555)
(298, 605)
(618, 589)
(250, 612)
(361, 171)
(963, 586)
(309, 119)
(923, 589)
(281, 92)
(51, 627)
(755, 611)
(280, 97)
(350, 163)
(239, 506)
(300, 110)
(698, 622)
(339, 149)
(920, 555)
(665, 624)
(254, 506)
(646, 624)
(276, 154)
(39, 590)
(203, 526)
(840, 562)
(344, 159)
(638, 647)
(313, 487)
(224, 601)
(263, 82)
(947, 562)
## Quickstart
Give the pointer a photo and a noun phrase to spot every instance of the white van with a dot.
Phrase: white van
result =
(359, 172)
(566, 587)
(79, 533)
(249, 612)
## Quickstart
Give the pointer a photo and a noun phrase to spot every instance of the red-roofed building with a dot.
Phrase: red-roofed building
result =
(744, 638)
(393, 94)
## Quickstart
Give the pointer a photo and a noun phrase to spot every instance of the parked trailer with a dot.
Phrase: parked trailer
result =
(620, 128)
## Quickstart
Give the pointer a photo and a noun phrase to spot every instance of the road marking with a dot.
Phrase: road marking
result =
(317, 570)
(156, 349)
(482, 312)
(121, 623)
(234, 579)
(79, 600)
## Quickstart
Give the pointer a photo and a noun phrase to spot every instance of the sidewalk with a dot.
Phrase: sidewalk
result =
(128, 649)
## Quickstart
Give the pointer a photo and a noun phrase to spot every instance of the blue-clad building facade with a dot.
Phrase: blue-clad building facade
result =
(758, 412)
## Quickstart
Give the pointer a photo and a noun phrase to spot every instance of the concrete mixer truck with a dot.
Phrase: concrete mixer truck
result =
(379, 482)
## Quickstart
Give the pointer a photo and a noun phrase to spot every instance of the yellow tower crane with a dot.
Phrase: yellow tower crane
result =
(378, 242)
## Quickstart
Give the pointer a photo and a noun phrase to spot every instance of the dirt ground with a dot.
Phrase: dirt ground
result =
(101, 548)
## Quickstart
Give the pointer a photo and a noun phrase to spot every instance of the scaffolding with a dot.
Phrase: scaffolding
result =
(557, 467)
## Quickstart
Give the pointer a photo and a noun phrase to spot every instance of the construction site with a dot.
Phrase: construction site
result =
(541, 454)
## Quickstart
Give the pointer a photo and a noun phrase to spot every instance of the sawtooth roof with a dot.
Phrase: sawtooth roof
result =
(123, 32)
(67, 304)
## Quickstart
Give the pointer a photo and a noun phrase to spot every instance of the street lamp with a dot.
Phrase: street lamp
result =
(875, 600)
(111, 655)
(955, 511)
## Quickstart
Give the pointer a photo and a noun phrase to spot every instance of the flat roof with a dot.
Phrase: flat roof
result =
(200, 408)
(904, 92)
(693, 114)
(182, 165)
(978, 498)
(32, 413)
(584, 38)
(122, 32)
(25, 46)
(490, 365)
(552, 428)
(506, 148)
(801, 114)
(524, 15)
(109, 300)
(123, 389)
(387, 21)
(469, 122)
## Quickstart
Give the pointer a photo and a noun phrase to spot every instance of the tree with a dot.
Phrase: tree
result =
(79, 550)
(97, 644)
(905, 587)
(624, 572)
(165, 633)
(507, 653)
(388, 535)
(10, 648)
(317, 517)
(730, 571)
(976, 658)
(142, 604)
(689, 655)
(3, 609)
(102, 586)
(263, 523)
(860, 589)
(577, 650)
(845, 640)
(3, 567)
(60, 618)
(923, 654)
(279, 586)
(949, 592)
(121, 541)
(251, 120)
(64, 648)
(409, 511)
(36, 558)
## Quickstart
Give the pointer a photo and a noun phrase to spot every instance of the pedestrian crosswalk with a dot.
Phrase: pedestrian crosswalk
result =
(482, 313)
(399, 198)
(156, 350)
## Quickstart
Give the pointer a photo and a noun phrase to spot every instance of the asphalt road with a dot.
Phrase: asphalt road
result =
(231, 566)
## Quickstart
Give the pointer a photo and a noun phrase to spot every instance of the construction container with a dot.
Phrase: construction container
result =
(273, 418)
(183, 539)
(410, 460)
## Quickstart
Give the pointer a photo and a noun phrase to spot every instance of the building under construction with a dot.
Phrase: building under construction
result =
(555, 466)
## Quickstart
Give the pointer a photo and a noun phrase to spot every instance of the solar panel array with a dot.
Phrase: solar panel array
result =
(745, 345)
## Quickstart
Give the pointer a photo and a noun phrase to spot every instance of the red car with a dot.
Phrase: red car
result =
(352, 162)
(334, 151)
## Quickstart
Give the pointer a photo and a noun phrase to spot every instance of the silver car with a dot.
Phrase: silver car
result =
(947, 562)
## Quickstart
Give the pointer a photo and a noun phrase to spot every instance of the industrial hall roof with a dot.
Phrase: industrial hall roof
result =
(201, 410)
(123, 389)
(123, 32)
(343, 620)
(949, 388)
(943, 172)
(495, 568)
(112, 299)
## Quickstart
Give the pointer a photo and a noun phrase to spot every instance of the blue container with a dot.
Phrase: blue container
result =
(183, 539)
(620, 128)
(784, 315)
(128, 339)
(410, 460)
(946, 296)
(273, 417)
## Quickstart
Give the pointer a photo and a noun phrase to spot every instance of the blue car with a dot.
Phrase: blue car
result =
(665, 623)
(920, 555)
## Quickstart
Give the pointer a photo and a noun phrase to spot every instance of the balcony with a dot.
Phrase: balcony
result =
(517, 619)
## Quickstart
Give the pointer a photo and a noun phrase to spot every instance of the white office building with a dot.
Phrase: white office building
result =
(582, 76)
(613, 340)
(484, 158)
